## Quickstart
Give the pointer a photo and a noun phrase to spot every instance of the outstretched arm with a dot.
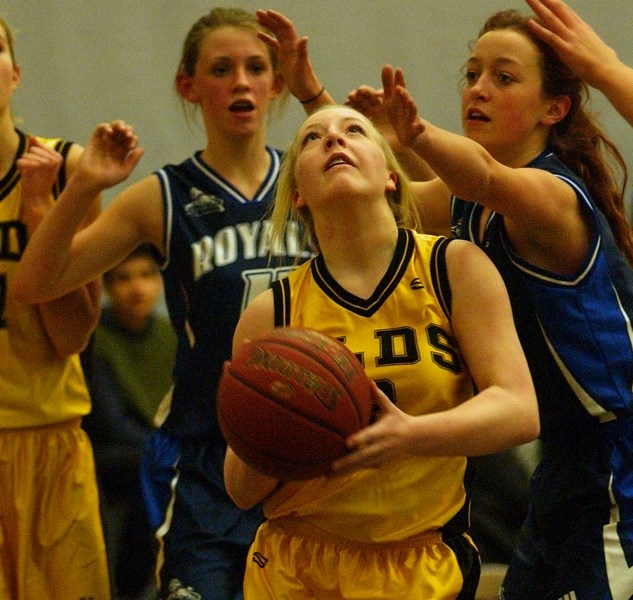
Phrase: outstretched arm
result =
(292, 53)
(543, 217)
(584, 51)
(432, 201)
(48, 269)
(69, 320)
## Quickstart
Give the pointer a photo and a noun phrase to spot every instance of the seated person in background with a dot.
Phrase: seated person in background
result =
(129, 367)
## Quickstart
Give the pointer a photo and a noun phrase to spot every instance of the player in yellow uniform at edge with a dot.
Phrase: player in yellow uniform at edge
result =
(51, 542)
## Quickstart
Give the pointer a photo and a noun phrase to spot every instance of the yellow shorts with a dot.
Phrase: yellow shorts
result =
(51, 541)
(293, 560)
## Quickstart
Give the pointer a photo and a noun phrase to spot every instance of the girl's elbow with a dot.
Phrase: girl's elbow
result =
(72, 340)
(242, 500)
(244, 504)
(65, 348)
(531, 421)
(531, 432)
(245, 486)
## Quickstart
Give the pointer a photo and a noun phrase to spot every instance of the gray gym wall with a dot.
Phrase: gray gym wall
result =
(86, 61)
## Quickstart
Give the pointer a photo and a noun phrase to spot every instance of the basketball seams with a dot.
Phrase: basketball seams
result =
(280, 402)
(271, 462)
(303, 347)
(268, 462)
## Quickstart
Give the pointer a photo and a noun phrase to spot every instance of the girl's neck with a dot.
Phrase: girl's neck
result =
(521, 156)
(243, 162)
(131, 321)
(358, 252)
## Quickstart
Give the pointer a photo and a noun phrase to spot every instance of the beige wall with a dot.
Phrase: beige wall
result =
(86, 61)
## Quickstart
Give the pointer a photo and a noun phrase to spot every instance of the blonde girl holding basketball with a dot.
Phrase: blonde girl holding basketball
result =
(390, 521)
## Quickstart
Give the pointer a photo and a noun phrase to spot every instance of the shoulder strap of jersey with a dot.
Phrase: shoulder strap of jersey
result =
(63, 147)
(281, 301)
(439, 274)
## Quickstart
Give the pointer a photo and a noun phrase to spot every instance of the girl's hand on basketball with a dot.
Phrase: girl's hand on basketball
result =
(110, 155)
(375, 445)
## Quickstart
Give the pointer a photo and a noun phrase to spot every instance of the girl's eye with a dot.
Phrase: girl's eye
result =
(471, 76)
(257, 68)
(504, 78)
(356, 128)
(219, 70)
(309, 137)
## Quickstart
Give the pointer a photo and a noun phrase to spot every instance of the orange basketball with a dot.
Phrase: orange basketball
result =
(288, 400)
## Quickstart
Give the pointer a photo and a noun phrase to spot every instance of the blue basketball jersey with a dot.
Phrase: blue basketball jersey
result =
(577, 336)
(575, 330)
(217, 260)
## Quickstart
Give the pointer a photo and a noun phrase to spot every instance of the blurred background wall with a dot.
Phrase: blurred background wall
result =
(86, 61)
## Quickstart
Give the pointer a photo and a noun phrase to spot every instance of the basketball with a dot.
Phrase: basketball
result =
(288, 400)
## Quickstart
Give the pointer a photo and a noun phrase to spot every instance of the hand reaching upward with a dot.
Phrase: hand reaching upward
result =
(38, 168)
(292, 52)
(110, 155)
(575, 41)
(401, 107)
(584, 52)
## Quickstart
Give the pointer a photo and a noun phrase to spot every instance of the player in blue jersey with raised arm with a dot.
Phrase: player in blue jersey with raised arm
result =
(206, 219)
(531, 183)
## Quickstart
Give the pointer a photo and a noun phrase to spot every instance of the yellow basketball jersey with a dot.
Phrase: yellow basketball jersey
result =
(36, 386)
(402, 335)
